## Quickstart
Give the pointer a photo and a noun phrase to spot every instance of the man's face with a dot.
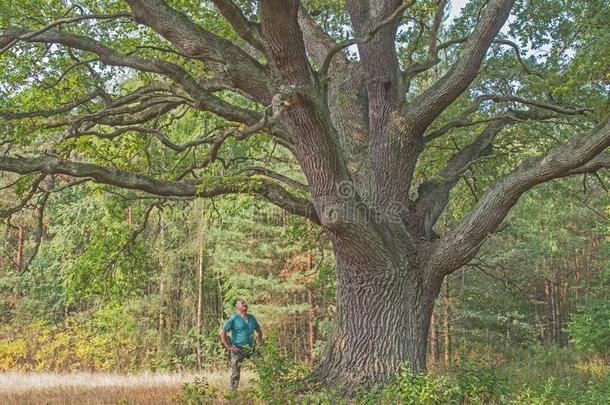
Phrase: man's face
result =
(242, 306)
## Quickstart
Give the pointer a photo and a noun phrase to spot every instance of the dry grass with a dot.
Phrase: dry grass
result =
(99, 388)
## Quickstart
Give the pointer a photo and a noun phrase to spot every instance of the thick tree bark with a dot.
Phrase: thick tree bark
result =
(384, 307)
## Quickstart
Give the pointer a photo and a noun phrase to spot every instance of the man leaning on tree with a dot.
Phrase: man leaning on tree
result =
(242, 327)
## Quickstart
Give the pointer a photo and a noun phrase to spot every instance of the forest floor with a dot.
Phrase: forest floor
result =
(100, 388)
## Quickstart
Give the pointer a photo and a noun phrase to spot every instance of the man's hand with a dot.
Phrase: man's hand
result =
(233, 349)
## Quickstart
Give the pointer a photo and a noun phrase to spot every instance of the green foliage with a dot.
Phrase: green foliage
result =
(536, 376)
(413, 388)
(553, 391)
(278, 377)
(589, 328)
(481, 384)
(70, 346)
(198, 392)
(466, 384)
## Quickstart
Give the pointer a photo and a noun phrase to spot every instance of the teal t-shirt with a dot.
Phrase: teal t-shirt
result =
(242, 331)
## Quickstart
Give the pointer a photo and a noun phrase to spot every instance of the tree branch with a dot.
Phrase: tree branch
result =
(433, 59)
(62, 109)
(236, 66)
(464, 120)
(154, 132)
(436, 24)
(33, 190)
(39, 230)
(163, 188)
(246, 29)
(9, 42)
(581, 152)
(429, 104)
(263, 171)
(601, 161)
(361, 40)
(433, 195)
(388, 152)
(299, 103)
(346, 81)
(202, 98)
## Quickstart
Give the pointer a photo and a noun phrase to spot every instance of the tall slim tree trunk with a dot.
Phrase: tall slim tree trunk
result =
(553, 309)
(447, 326)
(19, 258)
(434, 339)
(311, 318)
(295, 329)
(549, 306)
(558, 308)
(576, 281)
(537, 318)
(161, 309)
(311, 322)
(199, 320)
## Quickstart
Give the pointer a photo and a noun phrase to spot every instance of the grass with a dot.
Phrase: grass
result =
(100, 388)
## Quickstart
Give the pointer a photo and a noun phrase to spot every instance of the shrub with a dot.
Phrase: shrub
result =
(198, 392)
(413, 388)
(589, 328)
(480, 384)
(278, 378)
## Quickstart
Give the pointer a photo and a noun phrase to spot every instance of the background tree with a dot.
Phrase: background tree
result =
(89, 88)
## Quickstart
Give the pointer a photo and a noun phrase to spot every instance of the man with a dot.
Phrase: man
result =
(242, 326)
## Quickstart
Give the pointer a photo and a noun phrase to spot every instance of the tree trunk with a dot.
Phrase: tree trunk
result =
(434, 340)
(199, 320)
(553, 309)
(161, 317)
(382, 320)
(311, 322)
(19, 259)
(537, 318)
(549, 306)
(559, 316)
(447, 326)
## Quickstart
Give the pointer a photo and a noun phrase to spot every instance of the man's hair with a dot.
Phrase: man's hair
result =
(237, 301)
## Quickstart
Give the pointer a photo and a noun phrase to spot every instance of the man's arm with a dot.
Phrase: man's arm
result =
(259, 332)
(225, 340)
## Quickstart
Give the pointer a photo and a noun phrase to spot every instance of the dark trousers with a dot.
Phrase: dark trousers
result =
(236, 358)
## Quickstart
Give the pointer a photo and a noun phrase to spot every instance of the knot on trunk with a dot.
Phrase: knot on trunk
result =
(335, 212)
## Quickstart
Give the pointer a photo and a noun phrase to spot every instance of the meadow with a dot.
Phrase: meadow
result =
(103, 388)
(535, 375)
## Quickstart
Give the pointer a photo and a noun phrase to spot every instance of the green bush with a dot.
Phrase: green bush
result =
(198, 392)
(480, 385)
(278, 377)
(282, 381)
(467, 384)
(589, 328)
(414, 388)
(553, 391)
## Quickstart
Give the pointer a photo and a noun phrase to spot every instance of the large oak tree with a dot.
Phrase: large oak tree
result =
(357, 93)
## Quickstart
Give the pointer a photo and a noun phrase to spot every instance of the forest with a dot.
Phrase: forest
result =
(411, 196)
